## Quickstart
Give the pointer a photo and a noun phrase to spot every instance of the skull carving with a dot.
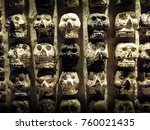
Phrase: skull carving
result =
(46, 85)
(99, 106)
(96, 3)
(145, 24)
(17, 4)
(125, 83)
(16, 25)
(144, 55)
(46, 106)
(2, 92)
(19, 56)
(69, 82)
(45, 56)
(45, 3)
(21, 84)
(123, 106)
(126, 23)
(20, 107)
(144, 85)
(69, 25)
(70, 55)
(97, 25)
(71, 3)
(143, 106)
(70, 106)
(126, 55)
(44, 26)
(96, 84)
(96, 55)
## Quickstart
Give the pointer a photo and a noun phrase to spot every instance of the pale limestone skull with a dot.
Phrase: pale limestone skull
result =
(20, 107)
(70, 54)
(70, 106)
(97, 25)
(95, 52)
(126, 23)
(44, 26)
(69, 25)
(123, 106)
(144, 50)
(21, 84)
(96, 3)
(144, 84)
(99, 106)
(16, 25)
(125, 83)
(126, 55)
(2, 92)
(46, 106)
(46, 85)
(19, 56)
(45, 55)
(96, 84)
(145, 24)
(69, 82)
(72, 3)
(19, 4)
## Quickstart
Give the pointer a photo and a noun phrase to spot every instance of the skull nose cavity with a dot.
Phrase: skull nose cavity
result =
(129, 55)
(127, 85)
(43, 52)
(69, 25)
(129, 24)
(99, 23)
(42, 24)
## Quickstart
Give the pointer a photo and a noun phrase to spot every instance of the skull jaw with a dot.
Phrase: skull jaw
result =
(46, 91)
(96, 36)
(71, 35)
(47, 32)
(125, 33)
(18, 34)
(69, 91)
(45, 64)
(20, 64)
(126, 64)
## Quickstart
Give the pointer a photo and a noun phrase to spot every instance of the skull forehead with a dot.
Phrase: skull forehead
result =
(21, 17)
(70, 16)
(43, 16)
(126, 15)
(126, 45)
(71, 46)
(97, 15)
(69, 74)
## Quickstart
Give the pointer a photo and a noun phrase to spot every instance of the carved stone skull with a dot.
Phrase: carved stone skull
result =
(46, 106)
(19, 56)
(125, 83)
(126, 23)
(44, 26)
(99, 106)
(46, 85)
(145, 24)
(96, 84)
(21, 84)
(124, 106)
(45, 55)
(70, 54)
(18, 4)
(95, 52)
(69, 82)
(126, 55)
(16, 25)
(96, 3)
(144, 51)
(144, 85)
(72, 3)
(97, 25)
(20, 107)
(70, 106)
(69, 25)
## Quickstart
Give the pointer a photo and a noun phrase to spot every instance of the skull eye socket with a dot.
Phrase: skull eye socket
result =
(64, 78)
(65, 19)
(73, 19)
(123, 16)
(73, 77)
(39, 47)
(17, 18)
(124, 48)
(64, 50)
(93, 18)
(74, 50)
(48, 47)
(131, 76)
(38, 18)
(103, 18)
(47, 18)
(133, 49)
(39, 80)
(21, 78)
(121, 77)
(90, 77)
